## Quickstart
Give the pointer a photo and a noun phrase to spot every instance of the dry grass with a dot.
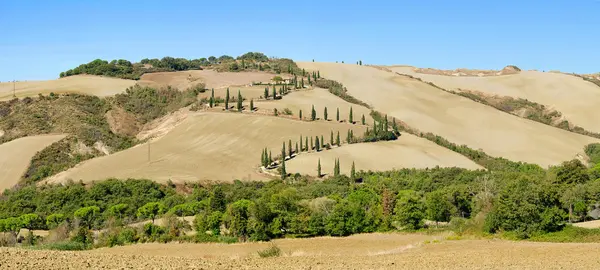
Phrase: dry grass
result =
(456, 118)
(205, 146)
(15, 156)
(574, 97)
(82, 84)
(371, 251)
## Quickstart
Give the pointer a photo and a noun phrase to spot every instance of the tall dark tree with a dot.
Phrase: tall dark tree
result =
(336, 167)
(301, 148)
(318, 74)
(394, 125)
(363, 120)
(337, 139)
(251, 104)
(290, 148)
(317, 144)
(325, 113)
(319, 174)
(331, 139)
(385, 125)
(270, 158)
(306, 143)
(312, 145)
(360, 62)
(322, 142)
(297, 149)
(309, 82)
(266, 93)
(283, 151)
(212, 98)
(302, 83)
(353, 171)
(239, 101)
(262, 158)
(300, 114)
(274, 92)
(350, 118)
(283, 171)
(313, 113)
(337, 115)
(227, 100)
(303, 72)
(348, 138)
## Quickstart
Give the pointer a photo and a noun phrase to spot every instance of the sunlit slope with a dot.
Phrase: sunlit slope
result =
(458, 119)
(575, 98)
(83, 84)
(407, 152)
(206, 146)
(16, 155)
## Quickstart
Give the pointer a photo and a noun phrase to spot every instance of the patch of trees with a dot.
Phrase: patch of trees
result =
(523, 203)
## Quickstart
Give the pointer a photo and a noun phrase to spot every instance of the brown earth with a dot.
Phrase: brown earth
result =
(122, 122)
(574, 97)
(458, 119)
(82, 84)
(16, 154)
(370, 251)
(205, 146)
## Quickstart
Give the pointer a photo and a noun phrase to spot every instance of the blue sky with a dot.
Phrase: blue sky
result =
(39, 39)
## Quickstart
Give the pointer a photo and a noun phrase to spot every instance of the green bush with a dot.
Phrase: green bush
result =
(65, 245)
(272, 251)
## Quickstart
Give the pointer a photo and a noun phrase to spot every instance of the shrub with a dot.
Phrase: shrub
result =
(272, 251)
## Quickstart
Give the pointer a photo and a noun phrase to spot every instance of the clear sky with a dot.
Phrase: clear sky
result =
(39, 39)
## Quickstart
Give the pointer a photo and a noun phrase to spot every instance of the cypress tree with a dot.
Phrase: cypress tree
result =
(303, 72)
(274, 92)
(317, 144)
(309, 80)
(270, 158)
(275, 112)
(300, 116)
(386, 124)
(351, 119)
(353, 171)
(302, 83)
(394, 125)
(348, 137)
(363, 120)
(325, 113)
(266, 92)
(297, 148)
(337, 115)
(374, 127)
(239, 101)
(351, 136)
(318, 74)
(331, 138)
(360, 62)
(212, 98)
(311, 143)
(243, 64)
(227, 100)
(301, 148)
(337, 140)
(262, 158)
(252, 104)
(336, 168)
(283, 171)
(290, 148)
(283, 151)
(313, 113)
(306, 143)
(319, 168)
(322, 142)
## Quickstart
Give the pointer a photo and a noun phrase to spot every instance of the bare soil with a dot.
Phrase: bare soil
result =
(16, 155)
(574, 97)
(82, 84)
(458, 119)
(370, 251)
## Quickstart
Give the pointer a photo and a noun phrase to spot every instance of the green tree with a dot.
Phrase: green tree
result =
(317, 144)
(283, 151)
(336, 167)
(319, 174)
(290, 148)
(251, 104)
(208, 221)
(385, 125)
(151, 210)
(360, 62)
(239, 101)
(312, 145)
(297, 149)
(283, 171)
(325, 113)
(439, 208)
(301, 148)
(53, 220)
(274, 93)
(117, 211)
(337, 139)
(227, 100)
(30, 221)
(313, 113)
(263, 158)
(331, 139)
(337, 115)
(212, 98)
(318, 74)
(302, 83)
(300, 114)
(572, 172)
(350, 118)
(363, 120)
(237, 216)
(409, 211)
(87, 215)
(270, 158)
(216, 199)
(353, 172)
(306, 143)
(266, 94)
(394, 125)
(322, 142)
(12, 225)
